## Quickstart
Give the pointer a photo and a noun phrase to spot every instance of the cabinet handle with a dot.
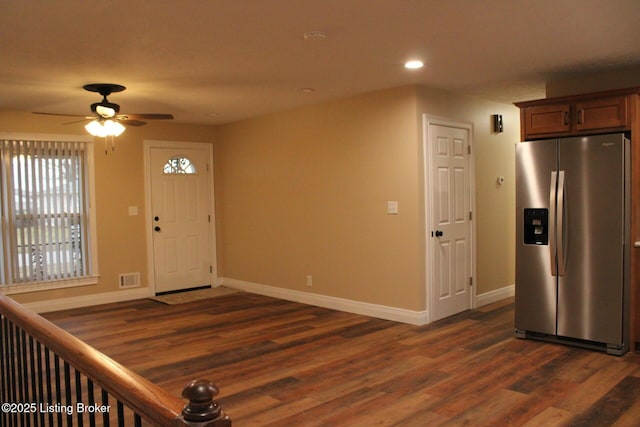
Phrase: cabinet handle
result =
(566, 118)
(580, 116)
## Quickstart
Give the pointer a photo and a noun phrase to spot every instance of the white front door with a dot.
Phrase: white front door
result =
(449, 224)
(180, 217)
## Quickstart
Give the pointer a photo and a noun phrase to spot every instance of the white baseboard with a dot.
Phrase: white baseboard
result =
(366, 309)
(495, 295)
(88, 300)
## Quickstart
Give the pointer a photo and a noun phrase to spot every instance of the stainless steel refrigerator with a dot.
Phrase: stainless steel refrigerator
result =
(572, 248)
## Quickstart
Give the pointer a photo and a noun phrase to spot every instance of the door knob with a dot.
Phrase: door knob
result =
(156, 228)
(439, 233)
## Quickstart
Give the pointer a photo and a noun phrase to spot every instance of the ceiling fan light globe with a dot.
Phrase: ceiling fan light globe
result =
(95, 128)
(113, 128)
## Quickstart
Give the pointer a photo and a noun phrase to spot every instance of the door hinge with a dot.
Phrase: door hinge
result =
(209, 218)
(469, 149)
(470, 281)
(211, 269)
(470, 216)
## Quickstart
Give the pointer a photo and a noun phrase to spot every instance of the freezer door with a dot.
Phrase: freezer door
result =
(590, 289)
(535, 302)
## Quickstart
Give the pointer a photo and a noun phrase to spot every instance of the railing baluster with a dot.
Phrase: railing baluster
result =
(3, 369)
(79, 397)
(105, 401)
(18, 364)
(67, 392)
(40, 382)
(32, 376)
(92, 401)
(56, 372)
(12, 372)
(20, 370)
(4, 385)
(120, 413)
(47, 362)
(26, 394)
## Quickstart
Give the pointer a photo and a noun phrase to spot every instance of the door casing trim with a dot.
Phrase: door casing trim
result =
(148, 145)
(428, 120)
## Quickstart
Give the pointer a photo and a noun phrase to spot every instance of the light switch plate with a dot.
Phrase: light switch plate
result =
(133, 210)
(392, 207)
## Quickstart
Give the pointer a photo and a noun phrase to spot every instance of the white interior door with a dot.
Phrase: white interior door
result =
(449, 227)
(179, 179)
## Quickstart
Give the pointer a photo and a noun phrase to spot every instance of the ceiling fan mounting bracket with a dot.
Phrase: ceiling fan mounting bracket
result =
(104, 89)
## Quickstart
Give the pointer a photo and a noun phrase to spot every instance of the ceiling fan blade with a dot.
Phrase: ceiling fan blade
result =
(78, 121)
(129, 122)
(58, 114)
(146, 116)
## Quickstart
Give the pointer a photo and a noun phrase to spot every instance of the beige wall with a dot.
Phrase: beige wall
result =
(119, 184)
(595, 82)
(304, 193)
(494, 157)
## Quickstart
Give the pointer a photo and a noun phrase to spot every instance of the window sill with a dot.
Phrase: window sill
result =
(24, 288)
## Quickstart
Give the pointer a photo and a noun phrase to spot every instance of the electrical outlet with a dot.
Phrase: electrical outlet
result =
(309, 280)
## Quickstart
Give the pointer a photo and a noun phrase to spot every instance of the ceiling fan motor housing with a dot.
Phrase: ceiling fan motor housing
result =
(107, 104)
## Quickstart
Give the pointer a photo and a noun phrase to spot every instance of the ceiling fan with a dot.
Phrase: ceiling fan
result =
(106, 119)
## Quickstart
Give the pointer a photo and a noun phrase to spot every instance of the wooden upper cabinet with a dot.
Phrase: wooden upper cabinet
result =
(576, 115)
(602, 113)
(545, 119)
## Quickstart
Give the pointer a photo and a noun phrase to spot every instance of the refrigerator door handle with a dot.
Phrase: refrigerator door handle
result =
(560, 224)
(552, 223)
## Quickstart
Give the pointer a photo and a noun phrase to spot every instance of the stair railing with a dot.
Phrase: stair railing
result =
(48, 376)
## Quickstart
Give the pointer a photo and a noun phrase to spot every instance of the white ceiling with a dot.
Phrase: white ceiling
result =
(218, 61)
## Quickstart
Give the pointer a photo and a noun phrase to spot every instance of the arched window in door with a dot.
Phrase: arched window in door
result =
(178, 165)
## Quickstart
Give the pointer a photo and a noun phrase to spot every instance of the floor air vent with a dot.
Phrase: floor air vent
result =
(129, 280)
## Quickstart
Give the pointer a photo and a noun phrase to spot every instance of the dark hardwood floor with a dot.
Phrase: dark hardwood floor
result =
(287, 364)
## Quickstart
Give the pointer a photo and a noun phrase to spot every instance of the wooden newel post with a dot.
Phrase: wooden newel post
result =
(202, 410)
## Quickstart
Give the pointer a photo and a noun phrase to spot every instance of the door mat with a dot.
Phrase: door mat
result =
(195, 295)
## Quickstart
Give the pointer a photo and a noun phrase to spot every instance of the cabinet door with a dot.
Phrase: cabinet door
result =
(602, 113)
(547, 119)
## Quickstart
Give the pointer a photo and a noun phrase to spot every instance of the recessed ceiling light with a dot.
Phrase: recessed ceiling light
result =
(413, 64)
(315, 35)
(307, 90)
(214, 114)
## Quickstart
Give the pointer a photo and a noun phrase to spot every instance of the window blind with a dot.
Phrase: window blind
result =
(44, 211)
